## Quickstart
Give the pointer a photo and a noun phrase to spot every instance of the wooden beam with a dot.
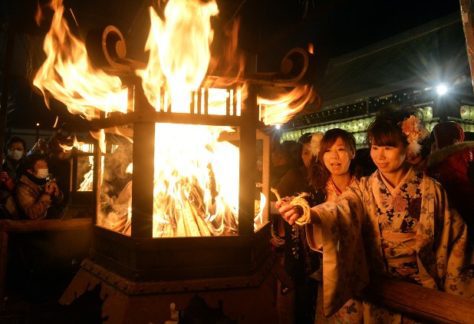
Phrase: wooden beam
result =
(421, 303)
(23, 226)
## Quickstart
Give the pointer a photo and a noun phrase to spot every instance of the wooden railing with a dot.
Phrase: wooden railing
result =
(422, 303)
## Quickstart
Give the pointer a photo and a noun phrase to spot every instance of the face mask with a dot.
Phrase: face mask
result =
(42, 173)
(15, 154)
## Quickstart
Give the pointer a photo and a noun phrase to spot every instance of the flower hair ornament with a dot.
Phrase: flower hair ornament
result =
(316, 143)
(415, 132)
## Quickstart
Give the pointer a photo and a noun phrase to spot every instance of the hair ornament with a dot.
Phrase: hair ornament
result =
(415, 132)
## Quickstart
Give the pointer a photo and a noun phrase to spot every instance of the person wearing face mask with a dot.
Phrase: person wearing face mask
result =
(14, 155)
(37, 196)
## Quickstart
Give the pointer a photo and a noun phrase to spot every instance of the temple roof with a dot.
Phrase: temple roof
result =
(417, 58)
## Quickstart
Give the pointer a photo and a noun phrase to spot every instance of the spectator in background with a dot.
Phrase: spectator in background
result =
(295, 180)
(362, 165)
(7, 202)
(15, 152)
(451, 163)
(420, 160)
(282, 159)
(299, 262)
(9, 173)
(38, 197)
(59, 160)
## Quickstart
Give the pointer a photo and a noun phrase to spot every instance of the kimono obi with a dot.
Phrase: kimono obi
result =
(400, 254)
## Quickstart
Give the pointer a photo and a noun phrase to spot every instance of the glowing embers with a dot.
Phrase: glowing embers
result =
(68, 75)
(196, 182)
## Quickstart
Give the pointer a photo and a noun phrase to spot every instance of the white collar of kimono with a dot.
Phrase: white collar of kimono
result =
(393, 190)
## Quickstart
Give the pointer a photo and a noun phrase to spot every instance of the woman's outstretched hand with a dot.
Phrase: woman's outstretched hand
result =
(288, 212)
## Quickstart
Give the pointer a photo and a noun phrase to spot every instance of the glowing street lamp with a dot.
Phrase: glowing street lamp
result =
(441, 89)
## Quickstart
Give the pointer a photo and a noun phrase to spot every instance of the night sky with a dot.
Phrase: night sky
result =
(269, 29)
(335, 27)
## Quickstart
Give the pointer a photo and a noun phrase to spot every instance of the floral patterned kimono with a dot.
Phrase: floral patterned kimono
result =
(406, 232)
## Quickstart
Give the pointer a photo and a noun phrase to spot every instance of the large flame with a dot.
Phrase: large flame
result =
(196, 182)
(68, 76)
(285, 106)
(196, 175)
(179, 50)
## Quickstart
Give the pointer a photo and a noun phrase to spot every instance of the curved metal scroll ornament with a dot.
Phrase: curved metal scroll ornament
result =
(107, 49)
(296, 68)
(113, 45)
(295, 64)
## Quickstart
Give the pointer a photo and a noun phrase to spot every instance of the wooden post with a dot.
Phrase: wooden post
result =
(3, 262)
(248, 131)
(143, 168)
(467, 16)
(7, 63)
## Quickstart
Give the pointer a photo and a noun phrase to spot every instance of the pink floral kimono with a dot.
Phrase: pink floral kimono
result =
(406, 232)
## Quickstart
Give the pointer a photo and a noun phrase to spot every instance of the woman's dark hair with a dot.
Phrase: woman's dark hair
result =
(15, 139)
(305, 138)
(363, 165)
(319, 174)
(385, 130)
(302, 141)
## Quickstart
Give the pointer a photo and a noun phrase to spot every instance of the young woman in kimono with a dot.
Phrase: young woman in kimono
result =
(396, 222)
(331, 175)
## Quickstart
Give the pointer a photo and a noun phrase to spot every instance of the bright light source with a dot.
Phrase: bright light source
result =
(277, 126)
(441, 89)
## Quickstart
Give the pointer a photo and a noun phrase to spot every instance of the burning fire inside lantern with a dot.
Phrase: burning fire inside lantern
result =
(196, 170)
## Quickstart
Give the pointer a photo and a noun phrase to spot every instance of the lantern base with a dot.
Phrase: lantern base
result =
(243, 299)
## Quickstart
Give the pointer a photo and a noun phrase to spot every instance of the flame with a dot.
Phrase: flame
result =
(78, 145)
(259, 220)
(196, 177)
(196, 182)
(179, 51)
(85, 168)
(68, 76)
(232, 62)
(286, 105)
(88, 177)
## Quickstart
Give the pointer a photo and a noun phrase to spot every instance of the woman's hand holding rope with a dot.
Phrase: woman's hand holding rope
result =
(294, 210)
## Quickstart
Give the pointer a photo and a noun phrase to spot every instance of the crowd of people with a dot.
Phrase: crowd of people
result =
(27, 187)
(401, 208)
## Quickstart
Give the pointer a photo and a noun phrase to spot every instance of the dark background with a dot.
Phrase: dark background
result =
(269, 29)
